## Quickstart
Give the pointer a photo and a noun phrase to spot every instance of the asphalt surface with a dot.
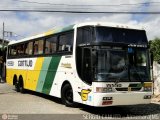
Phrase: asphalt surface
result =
(32, 105)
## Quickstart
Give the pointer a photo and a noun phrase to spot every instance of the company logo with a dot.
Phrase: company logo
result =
(117, 81)
(10, 63)
(27, 63)
(84, 94)
(66, 65)
(4, 117)
(9, 117)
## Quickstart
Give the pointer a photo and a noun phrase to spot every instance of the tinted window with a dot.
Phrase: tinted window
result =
(84, 35)
(20, 49)
(50, 46)
(29, 48)
(111, 65)
(104, 34)
(108, 34)
(13, 50)
(66, 42)
(38, 47)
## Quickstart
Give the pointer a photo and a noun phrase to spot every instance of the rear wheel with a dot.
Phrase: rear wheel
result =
(21, 85)
(67, 96)
(17, 87)
(21, 88)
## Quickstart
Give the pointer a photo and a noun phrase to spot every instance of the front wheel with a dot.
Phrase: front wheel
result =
(67, 96)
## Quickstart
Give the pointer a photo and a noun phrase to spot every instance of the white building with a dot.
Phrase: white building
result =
(156, 75)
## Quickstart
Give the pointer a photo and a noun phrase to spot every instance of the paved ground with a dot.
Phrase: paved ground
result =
(16, 105)
(31, 103)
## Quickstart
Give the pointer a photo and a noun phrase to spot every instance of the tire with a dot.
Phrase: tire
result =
(21, 88)
(67, 96)
(17, 87)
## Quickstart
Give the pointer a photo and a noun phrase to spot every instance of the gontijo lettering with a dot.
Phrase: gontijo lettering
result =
(27, 63)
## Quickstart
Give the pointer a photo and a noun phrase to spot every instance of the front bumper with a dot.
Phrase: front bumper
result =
(120, 98)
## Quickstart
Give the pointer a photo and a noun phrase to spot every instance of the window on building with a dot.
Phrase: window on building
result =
(50, 46)
(66, 42)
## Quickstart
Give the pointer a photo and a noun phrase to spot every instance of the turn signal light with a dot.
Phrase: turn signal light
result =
(147, 84)
(107, 102)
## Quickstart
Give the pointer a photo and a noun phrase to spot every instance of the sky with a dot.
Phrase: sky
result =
(24, 24)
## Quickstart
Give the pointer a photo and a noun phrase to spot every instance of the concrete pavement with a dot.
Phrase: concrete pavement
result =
(36, 105)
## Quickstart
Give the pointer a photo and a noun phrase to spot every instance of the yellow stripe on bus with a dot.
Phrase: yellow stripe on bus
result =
(12, 72)
(9, 76)
(49, 32)
(33, 75)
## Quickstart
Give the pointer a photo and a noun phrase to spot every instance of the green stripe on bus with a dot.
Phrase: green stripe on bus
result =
(51, 74)
(43, 74)
(68, 28)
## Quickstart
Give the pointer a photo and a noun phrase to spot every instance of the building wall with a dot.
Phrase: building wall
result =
(156, 75)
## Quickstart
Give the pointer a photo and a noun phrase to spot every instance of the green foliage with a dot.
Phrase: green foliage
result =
(155, 49)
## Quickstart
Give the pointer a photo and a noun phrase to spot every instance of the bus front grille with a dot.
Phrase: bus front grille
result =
(128, 89)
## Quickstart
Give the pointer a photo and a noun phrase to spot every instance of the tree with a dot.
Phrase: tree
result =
(155, 49)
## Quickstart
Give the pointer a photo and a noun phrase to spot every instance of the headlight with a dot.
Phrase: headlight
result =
(147, 88)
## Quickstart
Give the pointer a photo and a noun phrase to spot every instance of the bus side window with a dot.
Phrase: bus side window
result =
(28, 48)
(50, 46)
(85, 35)
(66, 42)
(13, 50)
(20, 49)
(35, 47)
(38, 47)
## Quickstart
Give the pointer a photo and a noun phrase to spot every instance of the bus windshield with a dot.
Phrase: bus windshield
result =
(121, 35)
(120, 65)
(100, 58)
(111, 65)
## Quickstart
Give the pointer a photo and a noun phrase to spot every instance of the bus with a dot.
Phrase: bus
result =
(94, 63)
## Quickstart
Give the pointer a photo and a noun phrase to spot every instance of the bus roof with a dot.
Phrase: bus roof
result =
(50, 32)
(71, 27)
(109, 24)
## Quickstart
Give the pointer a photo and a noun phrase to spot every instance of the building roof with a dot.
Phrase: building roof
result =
(5, 41)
